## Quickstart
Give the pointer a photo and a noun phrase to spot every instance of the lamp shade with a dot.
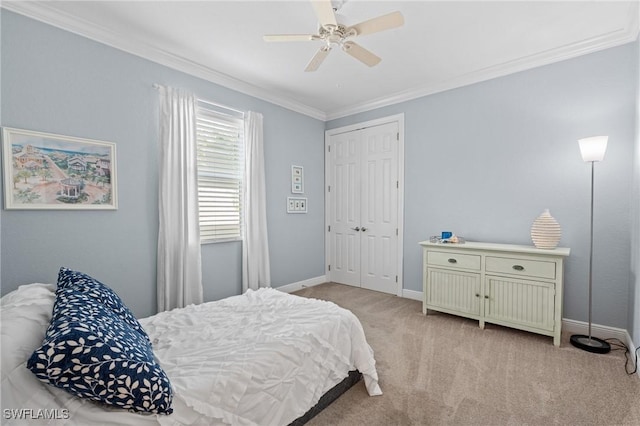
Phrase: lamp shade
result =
(593, 148)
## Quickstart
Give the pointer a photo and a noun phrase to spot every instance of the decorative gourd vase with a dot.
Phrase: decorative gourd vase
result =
(545, 231)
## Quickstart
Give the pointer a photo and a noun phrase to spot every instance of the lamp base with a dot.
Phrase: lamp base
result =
(590, 344)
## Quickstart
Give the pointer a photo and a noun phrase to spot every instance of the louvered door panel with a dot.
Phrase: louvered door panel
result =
(453, 291)
(520, 302)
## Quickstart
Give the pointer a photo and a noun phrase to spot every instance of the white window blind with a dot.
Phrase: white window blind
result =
(220, 143)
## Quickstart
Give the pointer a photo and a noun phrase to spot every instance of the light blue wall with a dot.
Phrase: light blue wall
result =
(57, 82)
(485, 160)
(482, 160)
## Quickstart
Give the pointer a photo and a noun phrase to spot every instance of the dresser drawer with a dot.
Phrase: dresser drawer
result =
(524, 267)
(457, 260)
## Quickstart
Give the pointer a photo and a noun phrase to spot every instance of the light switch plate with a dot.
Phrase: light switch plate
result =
(296, 205)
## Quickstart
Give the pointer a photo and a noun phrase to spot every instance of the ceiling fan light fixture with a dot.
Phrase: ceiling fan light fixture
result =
(318, 58)
(337, 4)
(333, 33)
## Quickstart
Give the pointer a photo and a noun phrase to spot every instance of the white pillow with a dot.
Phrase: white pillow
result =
(29, 294)
(24, 317)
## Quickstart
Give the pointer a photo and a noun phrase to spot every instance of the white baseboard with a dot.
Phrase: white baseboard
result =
(290, 288)
(412, 294)
(597, 330)
(633, 358)
(603, 332)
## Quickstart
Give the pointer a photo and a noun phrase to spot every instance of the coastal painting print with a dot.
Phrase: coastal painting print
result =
(47, 171)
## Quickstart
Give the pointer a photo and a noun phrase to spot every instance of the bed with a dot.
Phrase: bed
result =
(261, 358)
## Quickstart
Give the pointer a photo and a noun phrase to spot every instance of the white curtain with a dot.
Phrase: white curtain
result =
(255, 244)
(179, 281)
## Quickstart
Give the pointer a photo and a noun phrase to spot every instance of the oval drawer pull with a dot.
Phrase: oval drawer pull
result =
(518, 267)
(452, 260)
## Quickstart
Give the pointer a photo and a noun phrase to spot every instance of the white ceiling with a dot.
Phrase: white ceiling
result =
(441, 46)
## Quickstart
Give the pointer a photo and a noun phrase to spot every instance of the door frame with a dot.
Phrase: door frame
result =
(399, 118)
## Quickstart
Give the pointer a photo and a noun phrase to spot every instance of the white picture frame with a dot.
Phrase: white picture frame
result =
(45, 171)
(297, 180)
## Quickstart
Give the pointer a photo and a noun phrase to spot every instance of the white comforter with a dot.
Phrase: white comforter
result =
(263, 358)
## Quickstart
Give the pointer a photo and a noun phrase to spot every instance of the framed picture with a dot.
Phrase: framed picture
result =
(54, 172)
(297, 181)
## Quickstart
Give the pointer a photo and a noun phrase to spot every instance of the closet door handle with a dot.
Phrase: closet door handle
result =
(364, 229)
(357, 228)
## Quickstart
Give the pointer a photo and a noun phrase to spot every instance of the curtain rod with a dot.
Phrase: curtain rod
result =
(158, 86)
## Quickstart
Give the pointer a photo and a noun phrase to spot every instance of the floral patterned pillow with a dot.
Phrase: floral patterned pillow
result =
(79, 281)
(91, 352)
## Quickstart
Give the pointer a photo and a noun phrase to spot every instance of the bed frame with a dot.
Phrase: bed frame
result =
(326, 399)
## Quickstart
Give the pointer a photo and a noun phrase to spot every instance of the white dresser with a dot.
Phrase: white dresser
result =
(510, 285)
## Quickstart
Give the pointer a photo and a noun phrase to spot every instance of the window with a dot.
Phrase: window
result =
(219, 135)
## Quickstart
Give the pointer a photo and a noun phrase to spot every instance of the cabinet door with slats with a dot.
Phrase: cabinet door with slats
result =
(453, 291)
(520, 303)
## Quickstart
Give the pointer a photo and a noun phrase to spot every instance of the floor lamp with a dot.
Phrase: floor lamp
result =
(592, 150)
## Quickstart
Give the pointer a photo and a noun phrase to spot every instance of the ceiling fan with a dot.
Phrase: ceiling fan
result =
(333, 34)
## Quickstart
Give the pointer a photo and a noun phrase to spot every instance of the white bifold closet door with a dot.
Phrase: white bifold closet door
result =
(363, 200)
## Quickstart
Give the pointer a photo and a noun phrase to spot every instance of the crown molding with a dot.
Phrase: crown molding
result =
(627, 34)
(41, 11)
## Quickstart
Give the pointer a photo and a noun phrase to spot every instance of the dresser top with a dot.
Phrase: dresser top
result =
(511, 248)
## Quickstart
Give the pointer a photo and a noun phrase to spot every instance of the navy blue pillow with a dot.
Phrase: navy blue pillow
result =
(82, 282)
(92, 353)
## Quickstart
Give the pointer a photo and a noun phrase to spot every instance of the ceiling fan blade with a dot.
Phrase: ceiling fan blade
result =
(324, 12)
(381, 23)
(290, 37)
(360, 53)
(317, 59)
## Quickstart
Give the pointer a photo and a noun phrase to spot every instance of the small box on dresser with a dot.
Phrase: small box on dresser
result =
(510, 285)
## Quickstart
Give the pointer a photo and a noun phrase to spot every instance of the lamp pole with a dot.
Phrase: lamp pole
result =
(592, 150)
(591, 250)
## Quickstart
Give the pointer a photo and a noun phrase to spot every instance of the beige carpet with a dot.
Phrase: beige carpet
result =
(442, 369)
